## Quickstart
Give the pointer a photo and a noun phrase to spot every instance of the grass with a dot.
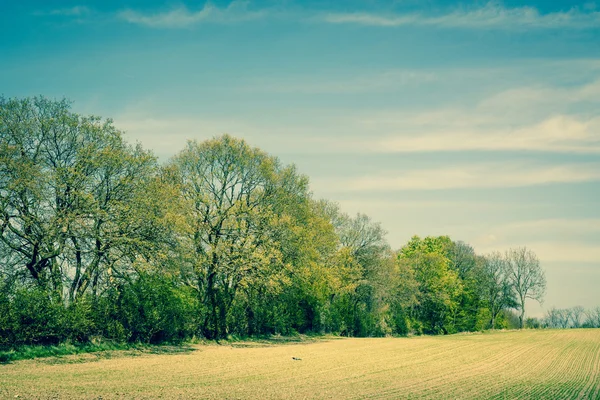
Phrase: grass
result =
(543, 364)
(67, 349)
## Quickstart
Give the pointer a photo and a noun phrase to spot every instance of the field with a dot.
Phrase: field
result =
(557, 364)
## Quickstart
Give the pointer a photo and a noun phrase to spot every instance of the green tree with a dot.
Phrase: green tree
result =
(235, 198)
(79, 205)
(439, 286)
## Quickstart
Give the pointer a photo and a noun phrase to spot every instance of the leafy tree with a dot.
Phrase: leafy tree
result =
(79, 205)
(236, 199)
(439, 285)
(363, 267)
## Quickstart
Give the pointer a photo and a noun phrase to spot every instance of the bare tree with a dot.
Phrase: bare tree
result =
(551, 319)
(495, 286)
(576, 315)
(564, 318)
(592, 317)
(527, 278)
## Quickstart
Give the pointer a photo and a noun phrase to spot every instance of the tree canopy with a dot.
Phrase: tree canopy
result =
(97, 238)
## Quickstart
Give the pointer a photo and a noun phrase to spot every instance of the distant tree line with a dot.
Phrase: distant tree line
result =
(99, 240)
(564, 318)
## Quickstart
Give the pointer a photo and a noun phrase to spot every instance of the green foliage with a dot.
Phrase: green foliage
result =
(98, 240)
(28, 352)
(439, 287)
(150, 309)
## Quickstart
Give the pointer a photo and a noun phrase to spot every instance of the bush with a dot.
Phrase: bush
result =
(35, 317)
(149, 310)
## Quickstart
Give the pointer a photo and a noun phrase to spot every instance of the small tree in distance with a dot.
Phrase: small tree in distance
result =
(526, 277)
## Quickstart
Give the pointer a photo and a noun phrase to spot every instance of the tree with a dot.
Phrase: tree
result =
(439, 286)
(526, 277)
(576, 315)
(494, 284)
(592, 318)
(462, 258)
(78, 205)
(464, 261)
(361, 272)
(236, 212)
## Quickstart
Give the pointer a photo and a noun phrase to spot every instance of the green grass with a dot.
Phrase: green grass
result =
(545, 364)
(67, 349)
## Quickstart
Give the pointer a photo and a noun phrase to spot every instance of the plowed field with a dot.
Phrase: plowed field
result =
(554, 364)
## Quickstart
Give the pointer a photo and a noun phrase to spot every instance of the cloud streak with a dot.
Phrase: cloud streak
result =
(76, 11)
(182, 17)
(559, 133)
(483, 175)
(491, 16)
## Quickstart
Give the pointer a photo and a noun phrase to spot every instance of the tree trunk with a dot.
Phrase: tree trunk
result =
(521, 316)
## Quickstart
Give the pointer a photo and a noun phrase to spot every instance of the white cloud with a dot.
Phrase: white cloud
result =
(561, 133)
(484, 175)
(182, 17)
(167, 136)
(491, 16)
(540, 118)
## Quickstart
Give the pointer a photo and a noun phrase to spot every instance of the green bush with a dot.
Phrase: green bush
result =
(149, 310)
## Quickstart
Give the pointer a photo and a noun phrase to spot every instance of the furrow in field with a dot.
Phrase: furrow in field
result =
(494, 375)
(482, 374)
(592, 388)
(561, 377)
(362, 366)
(585, 373)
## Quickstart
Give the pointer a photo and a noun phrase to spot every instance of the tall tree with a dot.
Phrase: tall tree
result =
(526, 277)
(439, 285)
(494, 284)
(235, 197)
(76, 204)
(363, 267)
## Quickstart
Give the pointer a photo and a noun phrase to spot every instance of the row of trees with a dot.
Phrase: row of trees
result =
(99, 239)
(574, 317)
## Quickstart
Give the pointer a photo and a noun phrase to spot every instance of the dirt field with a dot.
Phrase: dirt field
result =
(503, 365)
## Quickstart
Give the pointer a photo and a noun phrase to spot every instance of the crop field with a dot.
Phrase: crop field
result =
(556, 364)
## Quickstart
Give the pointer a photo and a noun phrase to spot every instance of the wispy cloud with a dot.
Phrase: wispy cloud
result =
(554, 239)
(553, 251)
(76, 11)
(579, 230)
(493, 15)
(542, 118)
(483, 175)
(182, 17)
(559, 133)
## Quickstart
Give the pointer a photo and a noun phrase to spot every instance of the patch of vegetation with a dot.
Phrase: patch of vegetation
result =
(68, 349)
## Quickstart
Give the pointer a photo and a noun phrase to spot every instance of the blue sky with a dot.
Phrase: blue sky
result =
(474, 119)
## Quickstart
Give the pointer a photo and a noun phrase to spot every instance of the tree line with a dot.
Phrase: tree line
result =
(100, 240)
(574, 317)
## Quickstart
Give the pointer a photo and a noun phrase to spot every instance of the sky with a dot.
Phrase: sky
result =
(478, 120)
